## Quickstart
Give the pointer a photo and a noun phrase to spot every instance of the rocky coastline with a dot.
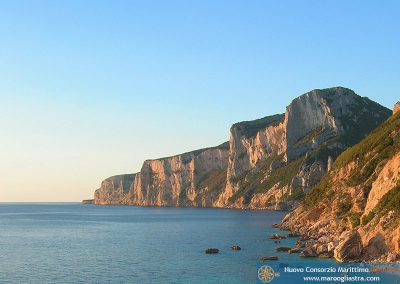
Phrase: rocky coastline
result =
(353, 213)
(332, 159)
(269, 163)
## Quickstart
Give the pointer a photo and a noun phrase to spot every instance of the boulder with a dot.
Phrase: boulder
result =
(375, 248)
(323, 248)
(392, 257)
(295, 250)
(276, 237)
(331, 246)
(308, 252)
(285, 249)
(349, 248)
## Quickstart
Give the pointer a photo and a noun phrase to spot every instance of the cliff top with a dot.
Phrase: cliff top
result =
(396, 107)
(251, 127)
(223, 146)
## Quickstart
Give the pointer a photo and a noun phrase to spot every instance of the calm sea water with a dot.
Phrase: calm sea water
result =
(74, 243)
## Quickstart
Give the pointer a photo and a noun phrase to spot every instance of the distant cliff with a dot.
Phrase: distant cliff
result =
(191, 179)
(353, 212)
(269, 163)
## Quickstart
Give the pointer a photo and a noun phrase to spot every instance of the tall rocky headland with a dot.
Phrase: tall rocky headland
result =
(269, 163)
(353, 213)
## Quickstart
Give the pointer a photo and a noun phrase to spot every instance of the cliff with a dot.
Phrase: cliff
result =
(191, 179)
(273, 162)
(353, 212)
(396, 107)
(269, 163)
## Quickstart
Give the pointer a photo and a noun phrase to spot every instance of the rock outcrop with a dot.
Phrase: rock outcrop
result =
(396, 107)
(354, 209)
(269, 163)
(191, 179)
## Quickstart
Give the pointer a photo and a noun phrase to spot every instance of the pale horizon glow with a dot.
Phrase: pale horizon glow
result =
(91, 89)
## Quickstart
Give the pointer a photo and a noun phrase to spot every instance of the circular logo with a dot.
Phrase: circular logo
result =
(266, 273)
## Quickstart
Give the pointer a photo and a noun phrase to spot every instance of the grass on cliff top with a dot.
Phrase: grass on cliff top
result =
(250, 128)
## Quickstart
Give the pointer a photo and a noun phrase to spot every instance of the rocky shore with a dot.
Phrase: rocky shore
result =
(333, 158)
(353, 213)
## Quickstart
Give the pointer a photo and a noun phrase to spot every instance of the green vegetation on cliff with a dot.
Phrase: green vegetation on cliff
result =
(372, 151)
(368, 157)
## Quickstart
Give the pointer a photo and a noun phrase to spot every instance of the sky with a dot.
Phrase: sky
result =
(90, 89)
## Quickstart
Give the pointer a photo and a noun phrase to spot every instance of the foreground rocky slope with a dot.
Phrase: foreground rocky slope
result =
(354, 212)
(269, 163)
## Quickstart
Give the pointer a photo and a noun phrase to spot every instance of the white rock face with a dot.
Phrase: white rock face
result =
(262, 165)
(387, 179)
(173, 181)
(396, 107)
(316, 114)
(114, 190)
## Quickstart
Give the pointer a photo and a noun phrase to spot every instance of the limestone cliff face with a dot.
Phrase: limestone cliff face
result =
(190, 179)
(396, 107)
(269, 163)
(114, 190)
(275, 160)
(355, 208)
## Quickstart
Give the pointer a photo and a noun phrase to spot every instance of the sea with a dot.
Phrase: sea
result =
(76, 243)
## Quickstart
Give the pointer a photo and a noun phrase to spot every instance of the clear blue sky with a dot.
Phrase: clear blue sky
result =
(89, 89)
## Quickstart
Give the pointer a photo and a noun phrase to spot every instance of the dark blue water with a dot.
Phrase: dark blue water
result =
(74, 243)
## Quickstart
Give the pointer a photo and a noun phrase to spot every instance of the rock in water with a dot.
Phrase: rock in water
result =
(276, 237)
(285, 249)
(212, 250)
(236, 247)
(268, 258)
(295, 250)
